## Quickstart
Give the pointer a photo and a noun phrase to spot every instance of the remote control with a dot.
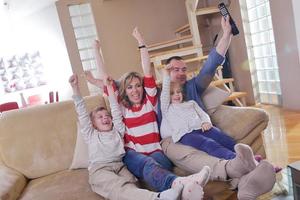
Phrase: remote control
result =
(224, 12)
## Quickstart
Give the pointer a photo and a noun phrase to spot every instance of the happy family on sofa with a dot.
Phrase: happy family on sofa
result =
(147, 125)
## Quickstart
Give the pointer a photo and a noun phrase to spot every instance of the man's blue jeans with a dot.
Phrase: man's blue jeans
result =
(150, 169)
(214, 142)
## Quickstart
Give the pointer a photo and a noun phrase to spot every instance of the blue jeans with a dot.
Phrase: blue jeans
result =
(149, 170)
(214, 142)
(162, 159)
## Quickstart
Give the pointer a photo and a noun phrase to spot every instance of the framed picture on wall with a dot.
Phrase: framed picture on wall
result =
(22, 72)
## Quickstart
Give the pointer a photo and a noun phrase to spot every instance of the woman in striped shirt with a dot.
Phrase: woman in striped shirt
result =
(137, 97)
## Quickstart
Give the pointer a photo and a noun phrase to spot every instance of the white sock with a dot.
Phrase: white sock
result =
(243, 163)
(201, 178)
(192, 191)
(173, 193)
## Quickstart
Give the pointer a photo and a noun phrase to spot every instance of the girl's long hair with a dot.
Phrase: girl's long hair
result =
(125, 81)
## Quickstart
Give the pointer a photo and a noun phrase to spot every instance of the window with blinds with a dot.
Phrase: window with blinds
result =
(261, 50)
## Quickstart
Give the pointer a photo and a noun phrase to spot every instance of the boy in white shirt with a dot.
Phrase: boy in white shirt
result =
(108, 176)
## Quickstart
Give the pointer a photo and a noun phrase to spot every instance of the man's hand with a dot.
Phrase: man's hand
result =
(206, 126)
(226, 25)
(225, 40)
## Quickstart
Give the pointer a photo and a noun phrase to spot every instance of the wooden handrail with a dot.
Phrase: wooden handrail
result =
(236, 95)
(173, 51)
(207, 10)
(221, 81)
(176, 41)
(182, 28)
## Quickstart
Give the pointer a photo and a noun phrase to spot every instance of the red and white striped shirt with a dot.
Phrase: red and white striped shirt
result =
(142, 133)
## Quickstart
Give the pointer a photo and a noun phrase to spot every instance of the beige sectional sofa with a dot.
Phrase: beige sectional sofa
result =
(37, 145)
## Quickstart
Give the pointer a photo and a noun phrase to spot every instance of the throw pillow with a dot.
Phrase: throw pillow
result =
(213, 97)
(81, 156)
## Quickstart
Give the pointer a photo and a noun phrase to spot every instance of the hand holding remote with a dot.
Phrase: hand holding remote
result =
(224, 12)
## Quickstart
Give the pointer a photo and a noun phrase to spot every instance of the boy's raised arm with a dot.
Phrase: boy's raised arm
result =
(83, 116)
(73, 80)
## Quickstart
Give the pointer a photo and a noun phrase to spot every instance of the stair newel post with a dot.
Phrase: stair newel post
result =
(191, 7)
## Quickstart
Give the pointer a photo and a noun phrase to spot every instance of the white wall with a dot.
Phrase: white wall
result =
(40, 31)
(296, 6)
(287, 49)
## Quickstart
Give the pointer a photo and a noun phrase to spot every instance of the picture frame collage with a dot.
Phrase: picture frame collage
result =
(22, 72)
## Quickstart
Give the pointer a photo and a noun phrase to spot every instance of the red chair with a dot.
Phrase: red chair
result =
(8, 106)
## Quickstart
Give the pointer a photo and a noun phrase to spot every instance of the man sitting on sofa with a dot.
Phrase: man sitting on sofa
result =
(250, 182)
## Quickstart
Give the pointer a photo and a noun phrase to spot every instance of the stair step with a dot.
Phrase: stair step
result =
(169, 43)
(194, 73)
(175, 52)
(236, 95)
(207, 10)
(182, 29)
(221, 82)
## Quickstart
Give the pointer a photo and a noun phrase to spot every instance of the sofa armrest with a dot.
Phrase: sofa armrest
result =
(11, 183)
(240, 122)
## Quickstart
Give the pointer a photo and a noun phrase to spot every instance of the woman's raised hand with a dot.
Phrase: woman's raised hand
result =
(137, 35)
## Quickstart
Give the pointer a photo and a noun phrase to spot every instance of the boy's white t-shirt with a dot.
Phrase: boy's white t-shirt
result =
(103, 147)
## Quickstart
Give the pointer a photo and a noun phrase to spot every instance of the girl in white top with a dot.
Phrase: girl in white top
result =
(188, 124)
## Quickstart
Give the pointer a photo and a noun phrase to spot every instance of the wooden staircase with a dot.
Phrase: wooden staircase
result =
(177, 41)
(187, 44)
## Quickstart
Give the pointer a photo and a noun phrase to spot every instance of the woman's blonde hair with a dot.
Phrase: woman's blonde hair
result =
(125, 81)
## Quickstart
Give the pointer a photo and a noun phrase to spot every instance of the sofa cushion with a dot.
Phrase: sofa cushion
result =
(81, 156)
(65, 185)
(213, 97)
(238, 122)
(40, 140)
